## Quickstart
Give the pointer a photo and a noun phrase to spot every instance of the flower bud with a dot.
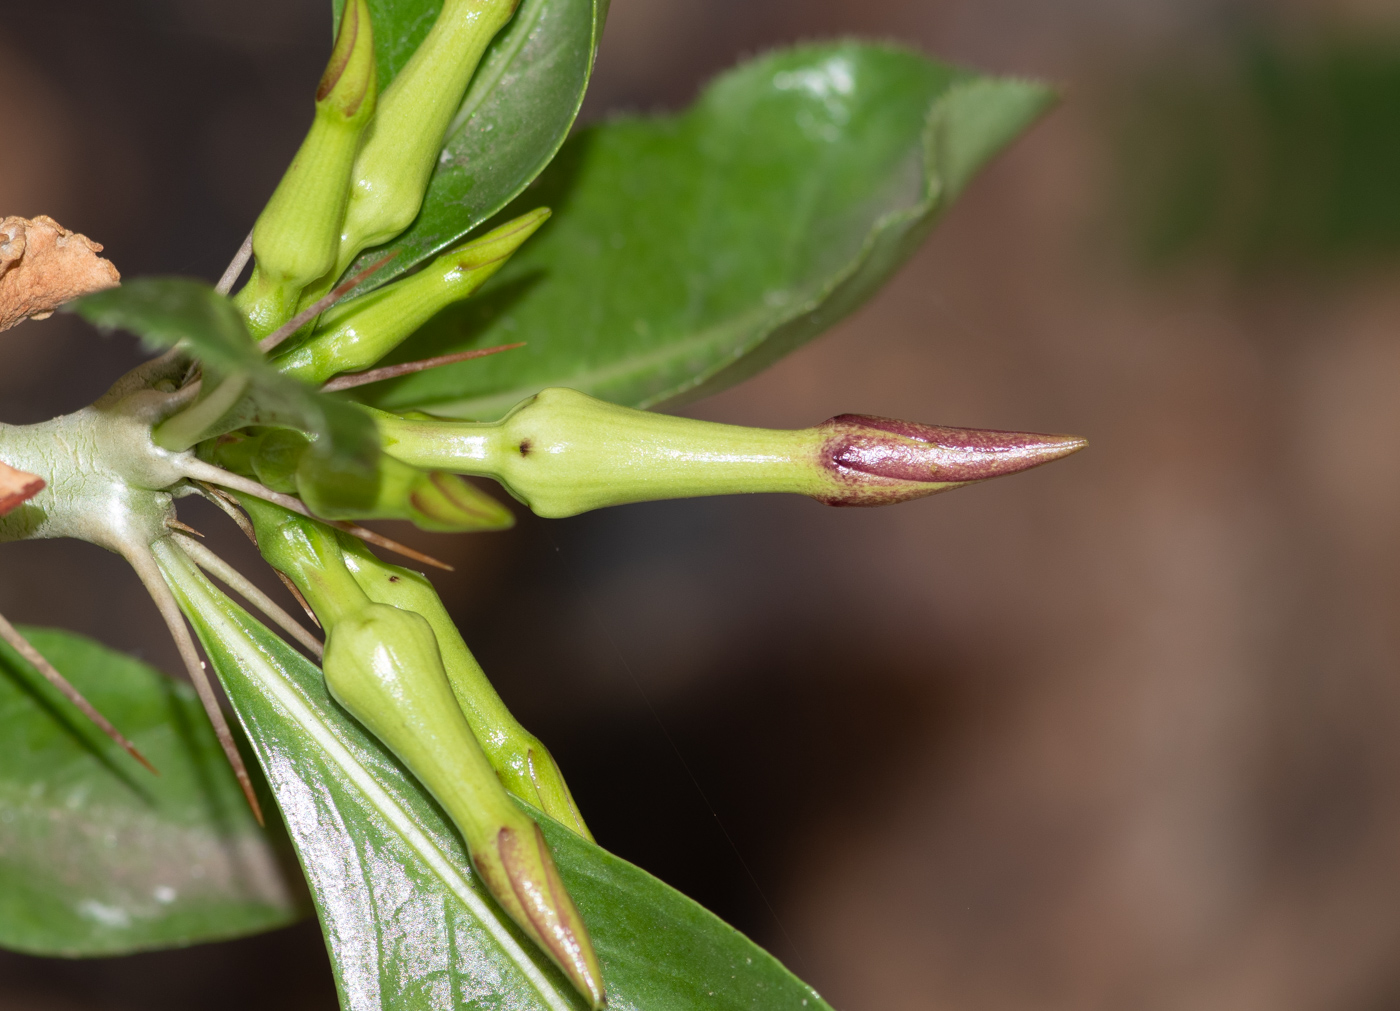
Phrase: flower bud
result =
(432, 500)
(356, 334)
(870, 461)
(562, 452)
(383, 665)
(521, 761)
(393, 168)
(297, 236)
(391, 490)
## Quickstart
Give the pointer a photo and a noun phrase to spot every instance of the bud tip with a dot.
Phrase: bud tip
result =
(882, 460)
(550, 910)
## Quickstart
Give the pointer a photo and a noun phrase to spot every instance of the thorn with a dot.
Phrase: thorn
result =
(235, 267)
(287, 582)
(241, 585)
(350, 381)
(319, 306)
(151, 577)
(21, 646)
(230, 480)
(379, 540)
(229, 505)
(175, 524)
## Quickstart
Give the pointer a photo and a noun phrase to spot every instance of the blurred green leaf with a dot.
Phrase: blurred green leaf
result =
(98, 856)
(407, 924)
(687, 253)
(516, 113)
(166, 310)
(1279, 152)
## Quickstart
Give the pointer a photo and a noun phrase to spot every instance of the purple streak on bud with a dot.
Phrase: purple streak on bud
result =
(880, 460)
(345, 50)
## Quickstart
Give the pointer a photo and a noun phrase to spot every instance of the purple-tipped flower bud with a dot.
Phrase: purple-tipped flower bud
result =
(877, 461)
(562, 453)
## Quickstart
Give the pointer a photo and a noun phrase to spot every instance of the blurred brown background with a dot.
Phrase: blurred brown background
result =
(1119, 733)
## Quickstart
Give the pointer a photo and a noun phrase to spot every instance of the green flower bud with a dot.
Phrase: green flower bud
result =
(297, 236)
(521, 761)
(356, 334)
(393, 168)
(392, 490)
(276, 455)
(433, 500)
(561, 453)
(382, 664)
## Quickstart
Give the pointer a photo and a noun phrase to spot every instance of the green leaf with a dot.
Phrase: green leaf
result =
(406, 922)
(98, 856)
(166, 310)
(516, 113)
(686, 253)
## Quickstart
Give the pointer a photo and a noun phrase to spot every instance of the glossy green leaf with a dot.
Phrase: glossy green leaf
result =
(98, 856)
(516, 113)
(406, 922)
(688, 252)
(166, 310)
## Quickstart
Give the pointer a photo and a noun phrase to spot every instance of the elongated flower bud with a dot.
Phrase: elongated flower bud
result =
(356, 334)
(562, 453)
(383, 665)
(521, 761)
(297, 236)
(392, 171)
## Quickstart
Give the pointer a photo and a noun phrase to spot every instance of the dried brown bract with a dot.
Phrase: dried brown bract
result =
(43, 265)
(17, 487)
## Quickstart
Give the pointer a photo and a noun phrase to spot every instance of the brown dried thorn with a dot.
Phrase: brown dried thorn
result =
(349, 382)
(235, 267)
(292, 588)
(21, 646)
(380, 541)
(319, 306)
(250, 487)
(229, 505)
(175, 524)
